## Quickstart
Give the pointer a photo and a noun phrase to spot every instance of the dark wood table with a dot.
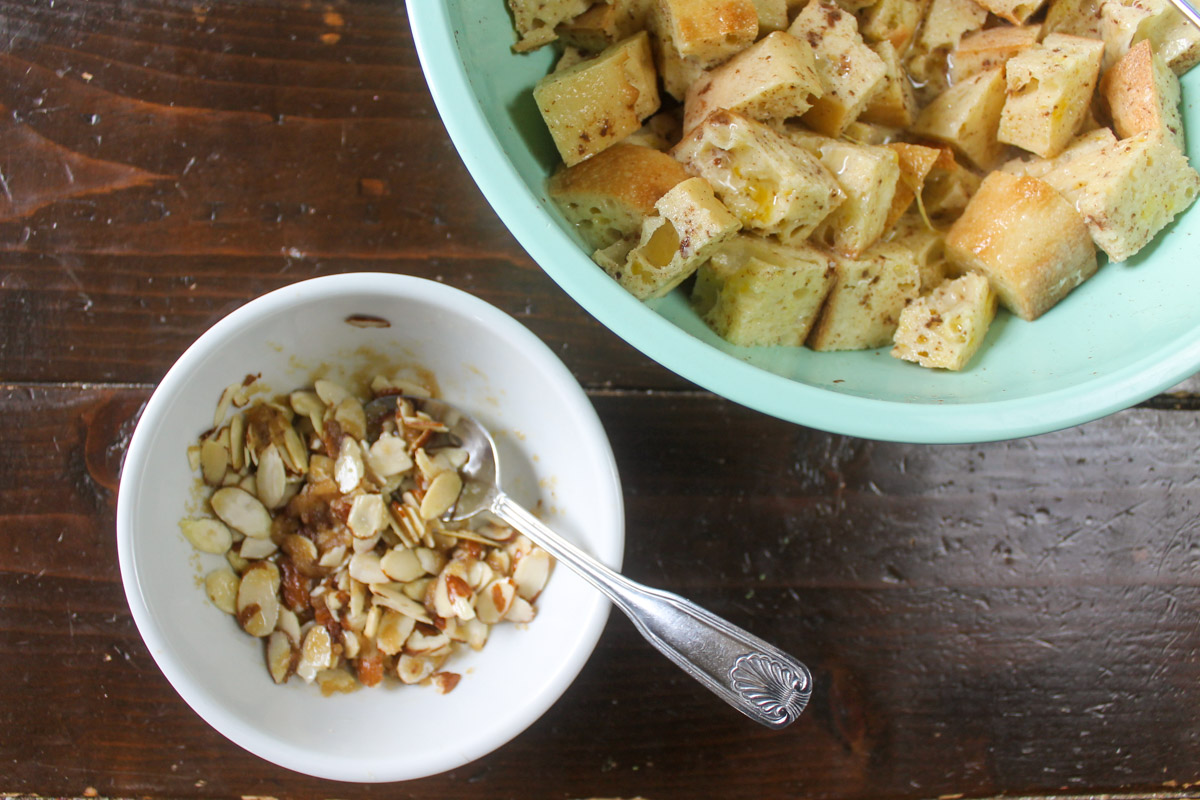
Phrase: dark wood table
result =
(1012, 618)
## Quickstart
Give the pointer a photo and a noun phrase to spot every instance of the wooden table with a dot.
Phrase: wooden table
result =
(1011, 618)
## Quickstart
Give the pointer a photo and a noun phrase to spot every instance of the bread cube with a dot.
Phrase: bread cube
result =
(915, 162)
(967, 117)
(870, 133)
(675, 71)
(894, 21)
(869, 292)
(1127, 191)
(1091, 142)
(1015, 11)
(928, 246)
(754, 291)
(947, 21)
(690, 226)
(609, 196)
(894, 104)
(1076, 17)
(850, 71)
(613, 257)
(771, 184)
(660, 132)
(596, 103)
(868, 175)
(989, 48)
(1030, 243)
(708, 31)
(536, 20)
(772, 15)
(944, 329)
(948, 187)
(1050, 89)
(1124, 23)
(1142, 94)
(604, 24)
(773, 79)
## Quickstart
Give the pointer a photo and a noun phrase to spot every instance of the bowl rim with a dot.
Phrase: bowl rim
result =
(722, 373)
(591, 622)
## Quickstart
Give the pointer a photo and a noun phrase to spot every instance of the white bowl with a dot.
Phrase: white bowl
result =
(553, 449)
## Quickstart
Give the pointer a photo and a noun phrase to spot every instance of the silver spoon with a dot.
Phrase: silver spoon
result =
(756, 678)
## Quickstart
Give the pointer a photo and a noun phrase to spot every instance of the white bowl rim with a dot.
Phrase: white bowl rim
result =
(591, 620)
(743, 383)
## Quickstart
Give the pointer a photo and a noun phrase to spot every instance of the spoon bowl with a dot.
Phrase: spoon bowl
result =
(757, 678)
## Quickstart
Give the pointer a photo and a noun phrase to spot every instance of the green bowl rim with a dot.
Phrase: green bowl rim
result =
(721, 373)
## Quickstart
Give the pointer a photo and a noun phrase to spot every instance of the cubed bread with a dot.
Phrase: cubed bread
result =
(708, 31)
(1124, 23)
(1142, 94)
(755, 291)
(944, 329)
(690, 226)
(894, 21)
(1050, 89)
(915, 162)
(609, 196)
(850, 71)
(989, 48)
(1093, 141)
(604, 24)
(596, 103)
(867, 175)
(947, 21)
(894, 104)
(772, 15)
(676, 71)
(660, 132)
(771, 184)
(928, 246)
(773, 79)
(967, 117)
(1127, 191)
(870, 133)
(1076, 17)
(1015, 11)
(868, 294)
(948, 187)
(536, 20)
(1030, 243)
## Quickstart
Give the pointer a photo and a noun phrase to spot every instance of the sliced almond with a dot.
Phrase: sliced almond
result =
(421, 643)
(532, 572)
(214, 461)
(221, 586)
(401, 564)
(297, 453)
(441, 495)
(237, 441)
(389, 456)
(316, 653)
(431, 560)
(520, 611)
(271, 478)
(281, 656)
(207, 535)
(348, 413)
(444, 682)
(253, 549)
(452, 595)
(414, 669)
(348, 469)
(418, 589)
(394, 630)
(289, 623)
(257, 601)
(495, 600)
(330, 392)
(367, 516)
(365, 568)
(476, 631)
(238, 509)
(388, 596)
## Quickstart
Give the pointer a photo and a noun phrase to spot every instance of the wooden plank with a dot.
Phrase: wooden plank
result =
(956, 648)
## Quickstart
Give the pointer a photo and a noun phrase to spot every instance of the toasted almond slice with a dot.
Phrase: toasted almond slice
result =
(348, 413)
(227, 395)
(280, 656)
(253, 549)
(364, 567)
(221, 586)
(441, 495)
(336, 681)
(401, 564)
(476, 631)
(238, 509)
(237, 441)
(289, 623)
(420, 643)
(444, 682)
(333, 557)
(500, 561)
(330, 392)
(316, 653)
(419, 588)
(307, 404)
(257, 602)
(207, 535)
(531, 573)
(388, 596)
(394, 630)
(495, 600)
(431, 560)
(214, 461)
(414, 669)
(297, 453)
(367, 516)
(520, 611)
(271, 478)
(452, 595)
(389, 456)
(348, 468)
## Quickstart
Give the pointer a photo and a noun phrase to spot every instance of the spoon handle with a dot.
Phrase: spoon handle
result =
(756, 678)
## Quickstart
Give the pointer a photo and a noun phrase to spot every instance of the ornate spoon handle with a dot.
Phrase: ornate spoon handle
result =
(756, 678)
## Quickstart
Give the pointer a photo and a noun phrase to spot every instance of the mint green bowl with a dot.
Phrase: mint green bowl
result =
(1130, 332)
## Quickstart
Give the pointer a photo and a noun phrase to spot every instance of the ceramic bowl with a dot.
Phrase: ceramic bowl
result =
(1125, 335)
(552, 447)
